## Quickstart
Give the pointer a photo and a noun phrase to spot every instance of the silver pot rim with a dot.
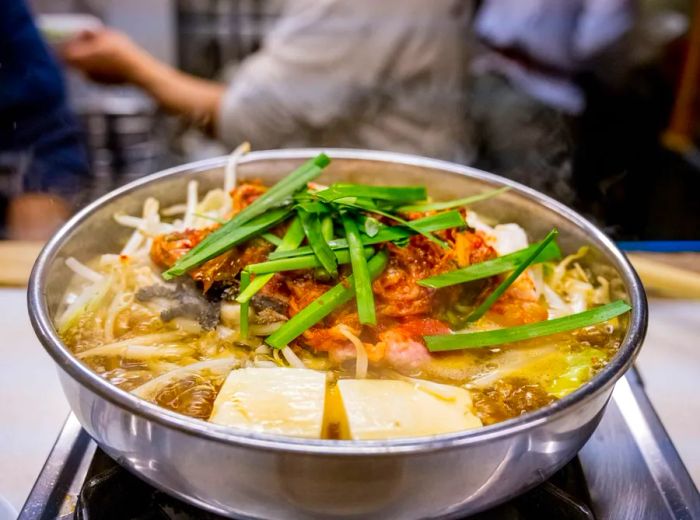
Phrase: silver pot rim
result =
(44, 329)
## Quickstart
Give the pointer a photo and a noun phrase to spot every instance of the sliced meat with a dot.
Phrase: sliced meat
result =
(405, 349)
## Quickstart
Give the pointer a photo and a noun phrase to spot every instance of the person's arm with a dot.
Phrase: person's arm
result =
(194, 98)
(110, 56)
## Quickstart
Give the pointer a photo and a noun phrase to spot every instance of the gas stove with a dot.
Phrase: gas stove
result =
(629, 469)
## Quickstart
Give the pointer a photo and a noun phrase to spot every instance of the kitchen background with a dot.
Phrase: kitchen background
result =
(627, 161)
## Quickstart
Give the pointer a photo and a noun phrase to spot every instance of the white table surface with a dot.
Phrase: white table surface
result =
(32, 406)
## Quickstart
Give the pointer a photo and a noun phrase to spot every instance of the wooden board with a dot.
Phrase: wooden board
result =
(16, 261)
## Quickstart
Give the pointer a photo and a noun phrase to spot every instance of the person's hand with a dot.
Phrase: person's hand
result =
(105, 55)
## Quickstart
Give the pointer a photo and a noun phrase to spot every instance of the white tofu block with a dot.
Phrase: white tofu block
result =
(382, 409)
(288, 401)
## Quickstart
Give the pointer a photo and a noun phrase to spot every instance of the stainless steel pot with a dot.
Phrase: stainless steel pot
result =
(243, 474)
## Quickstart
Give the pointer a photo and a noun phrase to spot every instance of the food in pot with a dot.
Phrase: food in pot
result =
(340, 312)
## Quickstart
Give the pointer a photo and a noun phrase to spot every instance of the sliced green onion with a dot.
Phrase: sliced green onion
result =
(342, 256)
(245, 307)
(428, 224)
(363, 283)
(292, 238)
(371, 207)
(314, 207)
(240, 234)
(522, 332)
(312, 229)
(273, 239)
(323, 305)
(499, 265)
(371, 226)
(457, 203)
(503, 286)
(227, 235)
(390, 193)
(327, 228)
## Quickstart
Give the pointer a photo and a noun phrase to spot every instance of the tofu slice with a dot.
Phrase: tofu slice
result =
(382, 409)
(288, 401)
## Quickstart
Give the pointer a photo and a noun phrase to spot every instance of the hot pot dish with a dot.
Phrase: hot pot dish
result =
(305, 334)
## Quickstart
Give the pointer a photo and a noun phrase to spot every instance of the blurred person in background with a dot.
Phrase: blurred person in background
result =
(43, 162)
(525, 92)
(365, 74)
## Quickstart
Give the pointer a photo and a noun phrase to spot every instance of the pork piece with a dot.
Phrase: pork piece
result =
(405, 348)
(400, 346)
(187, 303)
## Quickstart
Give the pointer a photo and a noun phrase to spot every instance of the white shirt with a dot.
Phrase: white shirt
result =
(382, 74)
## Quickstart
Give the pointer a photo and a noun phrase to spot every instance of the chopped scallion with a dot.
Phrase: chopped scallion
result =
(428, 224)
(370, 226)
(292, 238)
(273, 239)
(499, 265)
(312, 229)
(313, 207)
(388, 193)
(294, 263)
(363, 283)
(236, 236)
(323, 305)
(371, 207)
(245, 307)
(503, 286)
(457, 203)
(523, 332)
(327, 228)
(229, 234)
